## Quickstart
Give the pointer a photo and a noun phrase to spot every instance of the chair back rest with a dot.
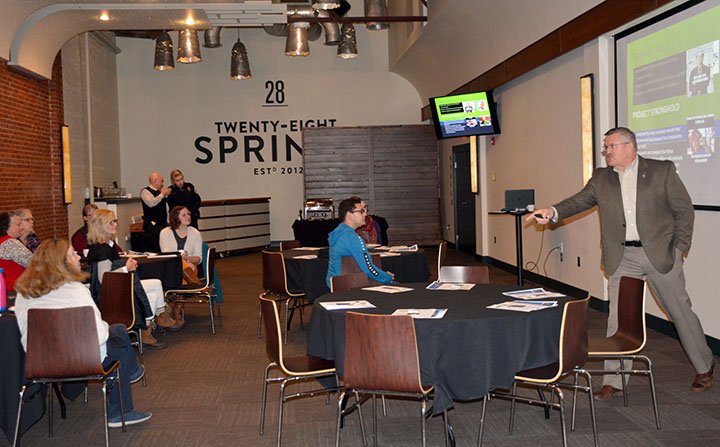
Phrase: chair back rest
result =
(271, 321)
(274, 276)
(288, 245)
(62, 343)
(381, 353)
(631, 310)
(574, 335)
(343, 283)
(210, 267)
(473, 274)
(349, 265)
(117, 299)
(442, 251)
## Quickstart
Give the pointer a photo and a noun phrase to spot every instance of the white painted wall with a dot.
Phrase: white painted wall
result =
(162, 113)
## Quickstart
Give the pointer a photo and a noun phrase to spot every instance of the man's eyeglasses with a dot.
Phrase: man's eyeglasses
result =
(612, 146)
(361, 211)
(28, 219)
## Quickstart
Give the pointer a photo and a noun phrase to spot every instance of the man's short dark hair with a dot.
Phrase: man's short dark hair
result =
(347, 206)
(629, 134)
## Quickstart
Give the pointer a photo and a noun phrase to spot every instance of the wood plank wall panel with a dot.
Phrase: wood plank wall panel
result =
(394, 169)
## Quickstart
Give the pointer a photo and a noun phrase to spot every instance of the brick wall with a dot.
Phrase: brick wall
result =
(31, 116)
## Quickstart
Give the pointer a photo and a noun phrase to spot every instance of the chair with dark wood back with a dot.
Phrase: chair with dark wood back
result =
(344, 283)
(442, 251)
(629, 340)
(573, 351)
(381, 357)
(473, 274)
(292, 369)
(275, 285)
(289, 245)
(349, 265)
(117, 306)
(200, 294)
(62, 346)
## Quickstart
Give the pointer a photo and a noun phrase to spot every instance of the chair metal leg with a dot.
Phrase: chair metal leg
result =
(280, 411)
(588, 377)
(51, 405)
(264, 397)
(338, 422)
(651, 378)
(446, 426)
(624, 382)
(423, 408)
(16, 438)
(259, 335)
(374, 412)
(383, 405)
(512, 408)
(574, 403)
(562, 414)
(362, 423)
(482, 420)
(212, 315)
(287, 319)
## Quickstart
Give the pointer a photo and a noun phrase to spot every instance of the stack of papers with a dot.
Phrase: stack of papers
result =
(388, 289)
(385, 254)
(338, 305)
(371, 246)
(422, 313)
(532, 294)
(437, 285)
(309, 248)
(155, 255)
(378, 248)
(524, 306)
(306, 257)
(403, 248)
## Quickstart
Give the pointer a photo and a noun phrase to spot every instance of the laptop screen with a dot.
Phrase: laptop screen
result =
(519, 198)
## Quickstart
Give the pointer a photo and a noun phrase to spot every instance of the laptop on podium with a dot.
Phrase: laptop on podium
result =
(516, 199)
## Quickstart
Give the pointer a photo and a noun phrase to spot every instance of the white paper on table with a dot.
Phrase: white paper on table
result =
(305, 257)
(354, 304)
(386, 254)
(524, 306)
(435, 285)
(404, 248)
(532, 294)
(428, 314)
(388, 289)
(154, 255)
(310, 248)
(380, 248)
(372, 245)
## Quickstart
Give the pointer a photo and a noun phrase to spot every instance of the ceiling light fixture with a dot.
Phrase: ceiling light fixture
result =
(239, 63)
(164, 57)
(376, 8)
(104, 16)
(347, 49)
(188, 47)
(189, 21)
(297, 40)
(325, 4)
(212, 37)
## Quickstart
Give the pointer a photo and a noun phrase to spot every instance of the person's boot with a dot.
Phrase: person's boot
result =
(179, 312)
(149, 341)
(164, 321)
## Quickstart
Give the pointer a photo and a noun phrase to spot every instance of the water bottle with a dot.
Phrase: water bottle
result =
(3, 291)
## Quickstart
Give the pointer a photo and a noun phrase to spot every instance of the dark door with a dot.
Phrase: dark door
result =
(464, 200)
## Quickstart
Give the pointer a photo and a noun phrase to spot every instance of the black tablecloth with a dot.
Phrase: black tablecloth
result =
(468, 352)
(308, 275)
(11, 379)
(167, 269)
(314, 233)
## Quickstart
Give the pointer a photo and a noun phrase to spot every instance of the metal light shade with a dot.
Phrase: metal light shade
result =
(376, 8)
(212, 37)
(325, 4)
(347, 49)
(164, 57)
(188, 47)
(239, 64)
(297, 42)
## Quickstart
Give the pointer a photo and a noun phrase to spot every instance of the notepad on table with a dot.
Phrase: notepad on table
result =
(436, 285)
(532, 294)
(388, 289)
(404, 248)
(306, 257)
(429, 314)
(354, 304)
(386, 254)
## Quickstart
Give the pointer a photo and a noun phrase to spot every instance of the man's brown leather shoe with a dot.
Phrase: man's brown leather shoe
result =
(704, 382)
(606, 392)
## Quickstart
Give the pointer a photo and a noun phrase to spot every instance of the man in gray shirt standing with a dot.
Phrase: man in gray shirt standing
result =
(646, 224)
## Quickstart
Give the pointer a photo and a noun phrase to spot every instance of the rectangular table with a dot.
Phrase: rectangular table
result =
(463, 355)
(308, 275)
(168, 269)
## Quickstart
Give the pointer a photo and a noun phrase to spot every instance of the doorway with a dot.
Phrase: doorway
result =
(464, 200)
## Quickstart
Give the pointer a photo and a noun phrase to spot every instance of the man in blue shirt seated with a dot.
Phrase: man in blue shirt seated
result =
(344, 241)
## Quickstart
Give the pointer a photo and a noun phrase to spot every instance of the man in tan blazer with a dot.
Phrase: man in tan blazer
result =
(646, 224)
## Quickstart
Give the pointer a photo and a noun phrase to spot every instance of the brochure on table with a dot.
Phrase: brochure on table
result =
(532, 294)
(437, 285)
(388, 289)
(426, 314)
(354, 304)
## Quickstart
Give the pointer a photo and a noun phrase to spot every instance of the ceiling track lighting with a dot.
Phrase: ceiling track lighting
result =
(188, 47)
(164, 57)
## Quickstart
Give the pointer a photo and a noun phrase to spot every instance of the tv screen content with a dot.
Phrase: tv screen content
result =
(464, 115)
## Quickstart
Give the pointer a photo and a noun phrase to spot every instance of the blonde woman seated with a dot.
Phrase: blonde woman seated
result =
(181, 236)
(52, 280)
(103, 257)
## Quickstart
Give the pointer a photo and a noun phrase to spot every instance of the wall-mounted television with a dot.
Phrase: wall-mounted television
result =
(465, 115)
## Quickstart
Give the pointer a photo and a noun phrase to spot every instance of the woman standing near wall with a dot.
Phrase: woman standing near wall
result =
(184, 194)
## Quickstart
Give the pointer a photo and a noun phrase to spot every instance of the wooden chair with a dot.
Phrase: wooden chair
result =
(474, 274)
(344, 283)
(203, 294)
(442, 251)
(62, 346)
(349, 265)
(276, 286)
(381, 357)
(117, 305)
(629, 340)
(573, 351)
(292, 369)
(289, 245)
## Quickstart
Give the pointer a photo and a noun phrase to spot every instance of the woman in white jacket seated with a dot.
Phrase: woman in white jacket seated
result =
(180, 236)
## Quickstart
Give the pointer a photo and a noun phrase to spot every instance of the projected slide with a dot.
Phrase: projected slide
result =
(670, 96)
